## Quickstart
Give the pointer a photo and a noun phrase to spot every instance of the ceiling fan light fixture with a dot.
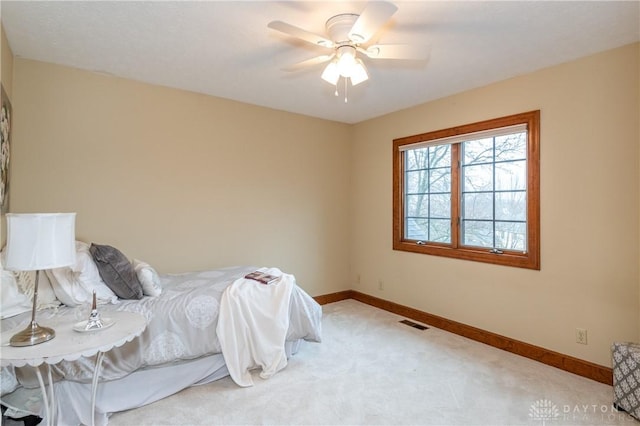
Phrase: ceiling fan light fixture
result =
(331, 74)
(348, 34)
(358, 73)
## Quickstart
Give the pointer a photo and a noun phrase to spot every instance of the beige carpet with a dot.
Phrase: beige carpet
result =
(372, 370)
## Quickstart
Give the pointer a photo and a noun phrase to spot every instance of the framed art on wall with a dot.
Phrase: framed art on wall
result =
(5, 144)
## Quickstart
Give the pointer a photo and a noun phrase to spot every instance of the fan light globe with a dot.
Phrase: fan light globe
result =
(331, 74)
(346, 60)
(358, 73)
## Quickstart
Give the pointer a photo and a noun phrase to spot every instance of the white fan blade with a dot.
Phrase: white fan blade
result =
(396, 51)
(305, 35)
(372, 18)
(309, 62)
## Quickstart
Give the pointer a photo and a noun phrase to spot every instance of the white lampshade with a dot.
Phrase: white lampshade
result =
(40, 241)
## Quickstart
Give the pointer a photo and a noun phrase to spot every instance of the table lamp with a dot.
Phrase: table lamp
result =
(35, 242)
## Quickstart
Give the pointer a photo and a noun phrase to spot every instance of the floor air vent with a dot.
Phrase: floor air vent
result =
(414, 325)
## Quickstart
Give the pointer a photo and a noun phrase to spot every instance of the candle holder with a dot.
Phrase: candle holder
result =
(95, 321)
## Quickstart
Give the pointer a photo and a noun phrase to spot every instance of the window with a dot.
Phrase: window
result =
(470, 192)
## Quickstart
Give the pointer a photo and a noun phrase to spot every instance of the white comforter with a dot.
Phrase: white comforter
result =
(182, 325)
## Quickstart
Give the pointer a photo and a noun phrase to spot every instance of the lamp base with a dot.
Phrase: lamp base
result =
(32, 335)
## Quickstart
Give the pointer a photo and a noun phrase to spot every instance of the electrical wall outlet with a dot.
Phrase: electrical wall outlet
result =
(358, 279)
(581, 336)
(380, 285)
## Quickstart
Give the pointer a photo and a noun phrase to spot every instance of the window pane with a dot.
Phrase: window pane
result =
(428, 194)
(511, 205)
(417, 206)
(476, 233)
(480, 201)
(440, 230)
(440, 156)
(440, 180)
(478, 178)
(416, 159)
(511, 147)
(416, 229)
(477, 206)
(434, 230)
(417, 181)
(511, 175)
(440, 206)
(480, 151)
(511, 235)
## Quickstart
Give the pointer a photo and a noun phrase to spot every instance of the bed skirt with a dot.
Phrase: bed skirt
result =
(139, 388)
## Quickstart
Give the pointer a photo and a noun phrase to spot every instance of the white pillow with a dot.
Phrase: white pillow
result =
(148, 277)
(26, 281)
(75, 285)
(13, 302)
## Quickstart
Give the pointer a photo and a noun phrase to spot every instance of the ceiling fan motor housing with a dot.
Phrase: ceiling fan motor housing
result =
(339, 26)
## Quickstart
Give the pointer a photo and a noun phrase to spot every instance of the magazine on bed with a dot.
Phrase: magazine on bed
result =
(262, 277)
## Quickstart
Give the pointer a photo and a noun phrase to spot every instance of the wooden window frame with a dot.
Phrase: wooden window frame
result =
(529, 259)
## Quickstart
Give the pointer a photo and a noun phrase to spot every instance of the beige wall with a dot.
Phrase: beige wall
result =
(181, 180)
(6, 70)
(590, 137)
(187, 181)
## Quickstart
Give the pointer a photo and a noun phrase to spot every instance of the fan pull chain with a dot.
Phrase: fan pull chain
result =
(345, 90)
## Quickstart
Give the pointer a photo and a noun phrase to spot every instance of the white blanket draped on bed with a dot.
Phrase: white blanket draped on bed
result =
(252, 326)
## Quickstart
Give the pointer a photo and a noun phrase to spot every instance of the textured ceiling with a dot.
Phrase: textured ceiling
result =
(225, 49)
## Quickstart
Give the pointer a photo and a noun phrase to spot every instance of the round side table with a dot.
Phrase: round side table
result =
(70, 345)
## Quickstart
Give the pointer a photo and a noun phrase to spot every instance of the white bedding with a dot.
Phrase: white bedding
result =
(182, 324)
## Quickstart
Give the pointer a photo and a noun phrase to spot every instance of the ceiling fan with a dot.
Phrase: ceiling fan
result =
(348, 35)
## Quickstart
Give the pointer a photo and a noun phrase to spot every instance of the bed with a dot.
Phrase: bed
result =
(195, 321)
